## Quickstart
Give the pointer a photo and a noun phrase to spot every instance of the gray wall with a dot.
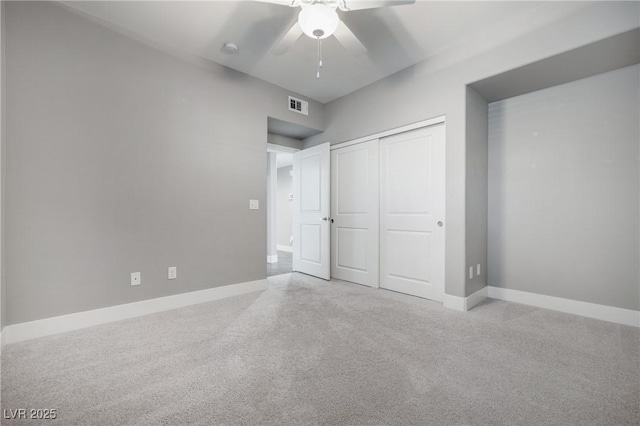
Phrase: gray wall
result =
(285, 206)
(284, 141)
(564, 190)
(122, 158)
(437, 87)
(476, 190)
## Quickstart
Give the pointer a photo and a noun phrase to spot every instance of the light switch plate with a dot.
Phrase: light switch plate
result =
(136, 279)
(254, 204)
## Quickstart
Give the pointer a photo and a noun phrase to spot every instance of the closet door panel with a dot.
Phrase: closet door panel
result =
(355, 213)
(412, 212)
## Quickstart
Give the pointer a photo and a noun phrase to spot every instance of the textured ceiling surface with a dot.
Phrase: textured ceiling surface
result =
(395, 37)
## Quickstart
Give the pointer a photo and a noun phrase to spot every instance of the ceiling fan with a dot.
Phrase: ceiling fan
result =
(319, 19)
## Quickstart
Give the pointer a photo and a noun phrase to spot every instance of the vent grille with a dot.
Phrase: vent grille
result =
(298, 105)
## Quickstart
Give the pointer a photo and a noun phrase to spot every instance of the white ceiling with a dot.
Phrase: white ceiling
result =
(396, 37)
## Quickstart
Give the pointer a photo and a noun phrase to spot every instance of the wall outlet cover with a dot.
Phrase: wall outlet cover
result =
(172, 272)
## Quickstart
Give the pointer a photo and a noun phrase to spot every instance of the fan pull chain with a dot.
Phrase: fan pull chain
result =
(319, 58)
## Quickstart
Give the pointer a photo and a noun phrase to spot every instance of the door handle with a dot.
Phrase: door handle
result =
(325, 219)
(440, 223)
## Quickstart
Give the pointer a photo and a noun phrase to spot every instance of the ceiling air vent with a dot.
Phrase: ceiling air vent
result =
(298, 105)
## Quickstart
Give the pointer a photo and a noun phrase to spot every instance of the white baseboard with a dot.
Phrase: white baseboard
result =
(585, 309)
(465, 303)
(288, 249)
(272, 259)
(477, 298)
(45, 327)
(454, 302)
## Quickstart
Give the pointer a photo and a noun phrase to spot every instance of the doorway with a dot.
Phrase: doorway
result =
(279, 209)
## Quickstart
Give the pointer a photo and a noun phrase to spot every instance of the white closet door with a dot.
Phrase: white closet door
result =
(355, 209)
(311, 186)
(412, 183)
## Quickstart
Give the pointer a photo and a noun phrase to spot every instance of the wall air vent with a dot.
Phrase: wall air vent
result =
(298, 105)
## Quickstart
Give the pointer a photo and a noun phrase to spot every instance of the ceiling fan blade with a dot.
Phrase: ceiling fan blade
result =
(287, 40)
(292, 3)
(347, 5)
(349, 40)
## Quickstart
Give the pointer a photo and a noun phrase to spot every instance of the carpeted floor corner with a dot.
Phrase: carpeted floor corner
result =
(308, 351)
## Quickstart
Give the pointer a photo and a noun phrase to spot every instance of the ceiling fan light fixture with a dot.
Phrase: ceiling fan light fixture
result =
(318, 20)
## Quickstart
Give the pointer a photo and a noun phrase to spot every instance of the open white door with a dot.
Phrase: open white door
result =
(311, 229)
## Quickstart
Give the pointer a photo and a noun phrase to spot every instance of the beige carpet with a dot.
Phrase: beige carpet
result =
(308, 351)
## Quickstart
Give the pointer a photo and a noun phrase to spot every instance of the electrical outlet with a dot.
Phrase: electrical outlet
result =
(172, 272)
(136, 279)
(470, 272)
(254, 204)
(478, 269)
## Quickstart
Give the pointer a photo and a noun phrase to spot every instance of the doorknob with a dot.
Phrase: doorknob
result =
(325, 219)
(440, 223)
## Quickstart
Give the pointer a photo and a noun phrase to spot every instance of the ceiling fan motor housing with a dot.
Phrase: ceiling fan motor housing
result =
(318, 20)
